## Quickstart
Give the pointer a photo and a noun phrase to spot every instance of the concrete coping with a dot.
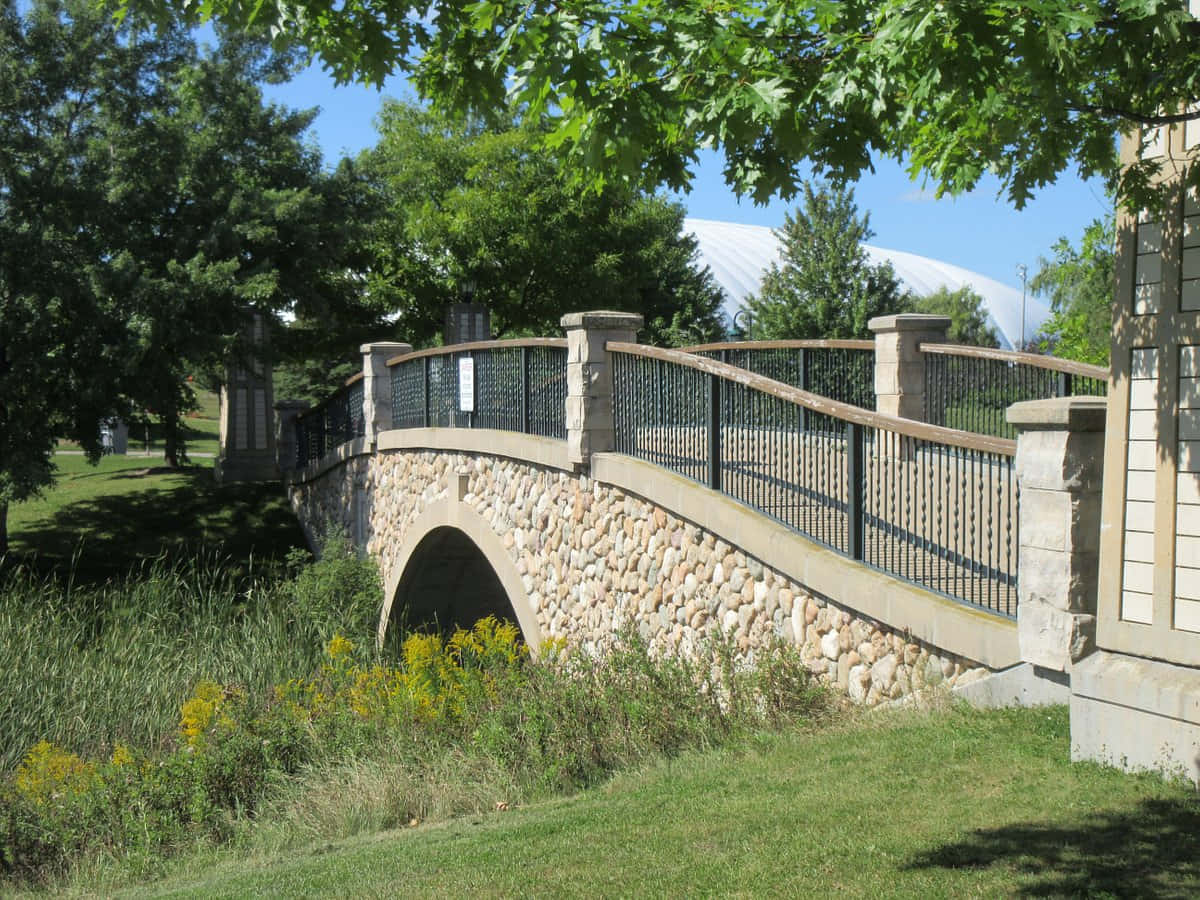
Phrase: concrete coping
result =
(602, 320)
(909, 322)
(396, 348)
(1060, 414)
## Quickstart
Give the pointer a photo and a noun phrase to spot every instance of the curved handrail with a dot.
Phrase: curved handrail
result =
(919, 430)
(478, 345)
(1068, 366)
(806, 344)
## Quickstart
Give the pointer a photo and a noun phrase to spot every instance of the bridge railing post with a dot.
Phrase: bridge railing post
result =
(377, 386)
(1060, 468)
(900, 364)
(589, 409)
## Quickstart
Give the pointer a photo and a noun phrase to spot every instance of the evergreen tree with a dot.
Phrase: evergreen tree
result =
(825, 286)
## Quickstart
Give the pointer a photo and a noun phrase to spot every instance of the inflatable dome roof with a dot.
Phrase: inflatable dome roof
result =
(739, 256)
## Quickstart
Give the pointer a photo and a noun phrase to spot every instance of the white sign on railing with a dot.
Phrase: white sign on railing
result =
(466, 384)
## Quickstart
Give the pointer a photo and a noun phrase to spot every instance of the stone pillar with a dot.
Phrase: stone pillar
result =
(899, 363)
(377, 385)
(286, 412)
(589, 379)
(1060, 469)
(247, 406)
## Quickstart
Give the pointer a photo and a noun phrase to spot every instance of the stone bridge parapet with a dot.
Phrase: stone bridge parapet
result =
(582, 558)
(523, 472)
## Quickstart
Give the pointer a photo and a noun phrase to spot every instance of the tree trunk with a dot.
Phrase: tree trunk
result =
(170, 422)
(3, 530)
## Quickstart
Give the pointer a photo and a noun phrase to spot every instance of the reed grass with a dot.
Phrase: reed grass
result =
(86, 667)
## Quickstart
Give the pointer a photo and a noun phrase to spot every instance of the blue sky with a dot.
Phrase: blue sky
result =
(978, 231)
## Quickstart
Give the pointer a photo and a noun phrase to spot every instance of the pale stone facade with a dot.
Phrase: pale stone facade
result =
(592, 559)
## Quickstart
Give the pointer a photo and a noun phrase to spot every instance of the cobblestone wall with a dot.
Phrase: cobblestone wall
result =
(594, 559)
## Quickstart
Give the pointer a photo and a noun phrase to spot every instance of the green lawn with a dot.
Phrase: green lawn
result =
(200, 429)
(953, 803)
(129, 508)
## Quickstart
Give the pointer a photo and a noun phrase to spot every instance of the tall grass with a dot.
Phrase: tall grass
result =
(86, 668)
(188, 704)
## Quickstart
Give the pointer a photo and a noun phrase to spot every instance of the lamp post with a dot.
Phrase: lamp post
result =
(1023, 272)
(743, 330)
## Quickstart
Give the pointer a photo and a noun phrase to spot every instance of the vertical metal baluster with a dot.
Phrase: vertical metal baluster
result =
(523, 362)
(714, 432)
(855, 519)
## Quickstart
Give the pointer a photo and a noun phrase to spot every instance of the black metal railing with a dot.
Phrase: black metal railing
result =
(509, 385)
(930, 505)
(843, 370)
(332, 422)
(970, 388)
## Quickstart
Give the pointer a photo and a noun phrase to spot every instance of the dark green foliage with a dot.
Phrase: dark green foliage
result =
(826, 286)
(1079, 283)
(146, 195)
(484, 209)
(956, 91)
(968, 318)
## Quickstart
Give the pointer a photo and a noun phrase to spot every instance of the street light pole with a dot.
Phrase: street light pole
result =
(1023, 272)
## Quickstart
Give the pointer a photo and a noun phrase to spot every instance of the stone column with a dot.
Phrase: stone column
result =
(589, 379)
(899, 363)
(247, 430)
(286, 412)
(377, 385)
(1060, 469)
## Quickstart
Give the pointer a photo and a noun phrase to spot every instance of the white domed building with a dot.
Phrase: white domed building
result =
(739, 256)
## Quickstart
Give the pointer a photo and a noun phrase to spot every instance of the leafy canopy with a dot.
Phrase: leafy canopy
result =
(467, 203)
(968, 317)
(1079, 284)
(826, 286)
(957, 89)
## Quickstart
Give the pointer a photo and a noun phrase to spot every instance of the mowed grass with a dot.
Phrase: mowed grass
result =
(200, 430)
(943, 803)
(98, 521)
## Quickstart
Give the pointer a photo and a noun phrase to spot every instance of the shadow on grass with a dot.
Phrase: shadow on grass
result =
(181, 512)
(1151, 851)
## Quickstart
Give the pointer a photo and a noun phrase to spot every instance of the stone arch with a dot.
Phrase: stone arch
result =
(451, 523)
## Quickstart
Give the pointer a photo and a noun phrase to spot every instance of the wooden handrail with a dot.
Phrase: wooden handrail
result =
(1068, 366)
(806, 344)
(478, 345)
(919, 430)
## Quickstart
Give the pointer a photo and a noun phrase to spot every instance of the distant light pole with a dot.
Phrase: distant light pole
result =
(1023, 272)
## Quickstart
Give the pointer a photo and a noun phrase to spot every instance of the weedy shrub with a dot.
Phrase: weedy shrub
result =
(449, 709)
(87, 669)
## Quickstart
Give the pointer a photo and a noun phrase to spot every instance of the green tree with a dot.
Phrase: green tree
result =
(145, 193)
(1079, 284)
(218, 203)
(968, 318)
(956, 89)
(484, 207)
(63, 344)
(826, 286)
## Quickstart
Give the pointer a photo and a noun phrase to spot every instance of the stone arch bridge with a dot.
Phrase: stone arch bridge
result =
(586, 485)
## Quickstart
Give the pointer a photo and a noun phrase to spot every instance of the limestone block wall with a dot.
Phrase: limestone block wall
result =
(593, 559)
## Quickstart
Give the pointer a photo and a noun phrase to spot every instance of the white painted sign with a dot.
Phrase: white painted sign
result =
(466, 384)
